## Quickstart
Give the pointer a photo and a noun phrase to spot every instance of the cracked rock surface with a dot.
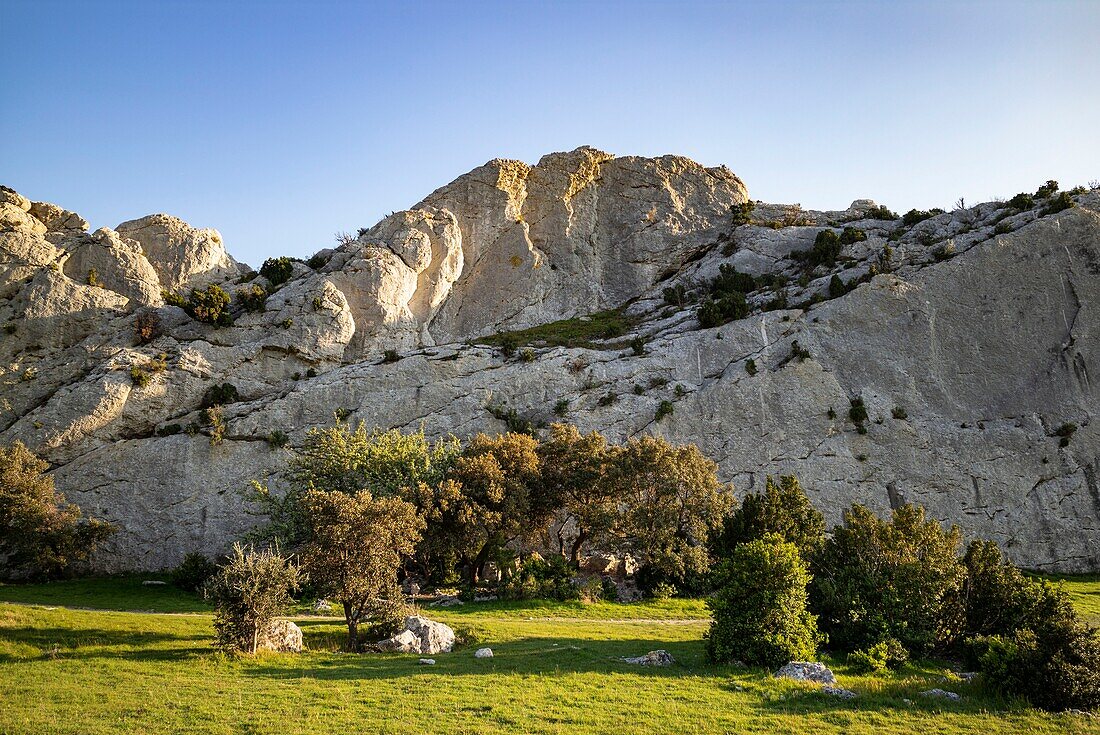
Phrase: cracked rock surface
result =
(971, 343)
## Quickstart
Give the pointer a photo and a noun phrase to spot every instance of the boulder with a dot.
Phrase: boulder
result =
(941, 694)
(838, 692)
(427, 662)
(807, 671)
(420, 635)
(483, 653)
(659, 657)
(282, 637)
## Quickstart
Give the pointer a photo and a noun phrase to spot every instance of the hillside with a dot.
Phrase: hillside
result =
(569, 291)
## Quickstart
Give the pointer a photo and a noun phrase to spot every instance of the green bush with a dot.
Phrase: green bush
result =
(278, 439)
(675, 295)
(1058, 203)
(248, 592)
(193, 572)
(1057, 668)
(1064, 433)
(852, 235)
(389, 356)
(913, 216)
(665, 408)
(220, 395)
(549, 578)
(759, 606)
(209, 305)
(876, 579)
(750, 366)
(139, 377)
(728, 307)
(825, 251)
(881, 213)
(253, 298)
(277, 271)
(884, 655)
(1021, 202)
(857, 414)
(837, 287)
(782, 509)
(637, 345)
(741, 214)
(730, 280)
(1047, 189)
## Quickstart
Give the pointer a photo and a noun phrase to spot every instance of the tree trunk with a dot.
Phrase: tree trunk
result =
(575, 552)
(478, 564)
(353, 627)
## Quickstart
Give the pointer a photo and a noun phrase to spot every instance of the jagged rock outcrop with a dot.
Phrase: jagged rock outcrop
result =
(970, 338)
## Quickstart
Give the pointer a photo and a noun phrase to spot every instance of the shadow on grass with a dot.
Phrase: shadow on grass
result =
(525, 656)
(89, 643)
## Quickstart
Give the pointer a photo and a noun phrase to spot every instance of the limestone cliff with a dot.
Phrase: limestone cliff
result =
(970, 344)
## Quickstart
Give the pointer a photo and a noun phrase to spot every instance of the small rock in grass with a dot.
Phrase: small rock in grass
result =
(838, 692)
(427, 661)
(322, 605)
(653, 658)
(943, 694)
(483, 653)
(153, 583)
(807, 671)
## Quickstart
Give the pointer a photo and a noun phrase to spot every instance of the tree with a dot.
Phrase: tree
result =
(494, 496)
(759, 606)
(249, 590)
(782, 508)
(356, 547)
(877, 579)
(670, 502)
(41, 535)
(574, 470)
(209, 305)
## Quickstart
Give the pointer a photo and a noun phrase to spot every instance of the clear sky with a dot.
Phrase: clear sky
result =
(280, 123)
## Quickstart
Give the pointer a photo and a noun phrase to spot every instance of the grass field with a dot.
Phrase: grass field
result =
(556, 669)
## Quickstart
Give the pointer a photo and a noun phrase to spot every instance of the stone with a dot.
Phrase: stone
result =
(483, 653)
(807, 671)
(427, 662)
(941, 694)
(153, 583)
(420, 635)
(838, 692)
(659, 657)
(282, 637)
(322, 606)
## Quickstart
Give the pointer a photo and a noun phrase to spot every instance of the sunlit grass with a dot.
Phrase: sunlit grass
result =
(557, 669)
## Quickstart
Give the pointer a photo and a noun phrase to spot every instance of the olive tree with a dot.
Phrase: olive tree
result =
(574, 472)
(249, 590)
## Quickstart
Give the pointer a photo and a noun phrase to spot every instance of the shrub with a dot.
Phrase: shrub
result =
(876, 579)
(913, 216)
(41, 535)
(1058, 203)
(220, 395)
(561, 407)
(783, 509)
(248, 592)
(1002, 228)
(944, 252)
(825, 251)
(852, 235)
(728, 307)
(675, 295)
(508, 345)
(146, 327)
(93, 278)
(193, 572)
(880, 212)
(857, 414)
(214, 419)
(1055, 669)
(549, 578)
(1021, 202)
(661, 591)
(277, 271)
(750, 366)
(899, 413)
(741, 214)
(278, 439)
(798, 352)
(209, 305)
(390, 356)
(664, 408)
(139, 377)
(1064, 433)
(173, 299)
(638, 346)
(884, 655)
(253, 298)
(759, 606)
(1047, 189)
(730, 280)
(837, 287)
(317, 261)
(527, 355)
(607, 400)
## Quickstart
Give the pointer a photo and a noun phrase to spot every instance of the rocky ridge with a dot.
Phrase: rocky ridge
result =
(969, 342)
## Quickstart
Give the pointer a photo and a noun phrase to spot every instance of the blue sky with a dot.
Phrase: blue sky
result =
(282, 123)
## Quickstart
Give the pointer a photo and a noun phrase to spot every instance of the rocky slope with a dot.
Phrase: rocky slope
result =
(970, 346)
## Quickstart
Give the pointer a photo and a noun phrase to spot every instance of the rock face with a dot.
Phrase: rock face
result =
(972, 347)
